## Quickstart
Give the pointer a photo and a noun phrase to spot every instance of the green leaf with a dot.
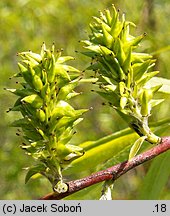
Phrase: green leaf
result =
(100, 154)
(155, 102)
(157, 81)
(34, 170)
(156, 178)
(31, 133)
(136, 146)
(89, 54)
(21, 92)
(146, 77)
(88, 80)
(20, 123)
(94, 48)
(113, 149)
(91, 144)
(62, 109)
(111, 97)
(95, 66)
(140, 69)
(135, 41)
(108, 80)
(63, 59)
(35, 100)
(65, 90)
(140, 57)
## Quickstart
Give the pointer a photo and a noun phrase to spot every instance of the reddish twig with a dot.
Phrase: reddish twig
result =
(113, 172)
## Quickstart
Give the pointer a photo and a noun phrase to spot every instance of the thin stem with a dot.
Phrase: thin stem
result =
(113, 172)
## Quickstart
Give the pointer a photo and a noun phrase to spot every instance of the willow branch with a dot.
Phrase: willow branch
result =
(113, 172)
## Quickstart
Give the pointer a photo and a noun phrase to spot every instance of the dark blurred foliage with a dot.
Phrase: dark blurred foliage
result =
(24, 25)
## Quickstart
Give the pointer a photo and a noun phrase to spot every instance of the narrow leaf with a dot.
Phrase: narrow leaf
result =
(157, 81)
(34, 170)
(64, 59)
(19, 123)
(136, 146)
(156, 178)
(156, 102)
(113, 148)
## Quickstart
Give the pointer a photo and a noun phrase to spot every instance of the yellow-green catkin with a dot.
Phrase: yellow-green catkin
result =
(116, 63)
(48, 119)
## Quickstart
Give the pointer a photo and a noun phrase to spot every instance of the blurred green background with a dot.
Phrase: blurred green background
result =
(24, 25)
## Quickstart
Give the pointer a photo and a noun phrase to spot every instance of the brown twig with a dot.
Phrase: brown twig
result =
(113, 172)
